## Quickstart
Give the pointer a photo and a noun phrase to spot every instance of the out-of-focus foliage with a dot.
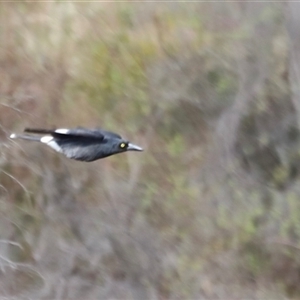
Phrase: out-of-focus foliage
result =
(210, 210)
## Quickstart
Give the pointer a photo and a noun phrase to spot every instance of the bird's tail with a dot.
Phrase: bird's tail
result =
(25, 137)
(39, 130)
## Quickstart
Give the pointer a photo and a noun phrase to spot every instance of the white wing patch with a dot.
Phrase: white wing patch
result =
(46, 139)
(62, 130)
(49, 140)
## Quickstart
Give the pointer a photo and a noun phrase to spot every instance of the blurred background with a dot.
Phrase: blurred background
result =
(210, 209)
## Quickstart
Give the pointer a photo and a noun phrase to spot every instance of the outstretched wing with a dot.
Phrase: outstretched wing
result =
(63, 133)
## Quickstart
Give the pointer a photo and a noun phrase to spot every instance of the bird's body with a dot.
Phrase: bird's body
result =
(80, 143)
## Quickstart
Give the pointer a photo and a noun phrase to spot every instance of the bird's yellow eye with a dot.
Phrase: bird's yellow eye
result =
(122, 145)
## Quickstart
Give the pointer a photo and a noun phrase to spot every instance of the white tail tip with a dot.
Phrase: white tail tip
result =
(13, 136)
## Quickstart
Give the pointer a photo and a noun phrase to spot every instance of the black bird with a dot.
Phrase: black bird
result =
(80, 143)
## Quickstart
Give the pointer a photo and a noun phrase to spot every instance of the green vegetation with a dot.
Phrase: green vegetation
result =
(209, 210)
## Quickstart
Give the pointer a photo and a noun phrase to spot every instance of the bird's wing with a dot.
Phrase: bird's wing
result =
(62, 133)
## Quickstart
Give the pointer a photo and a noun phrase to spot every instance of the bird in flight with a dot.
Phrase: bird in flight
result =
(80, 143)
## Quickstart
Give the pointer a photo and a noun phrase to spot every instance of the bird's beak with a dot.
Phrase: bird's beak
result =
(132, 147)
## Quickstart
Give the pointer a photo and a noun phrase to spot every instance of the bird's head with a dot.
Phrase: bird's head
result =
(124, 146)
(119, 145)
